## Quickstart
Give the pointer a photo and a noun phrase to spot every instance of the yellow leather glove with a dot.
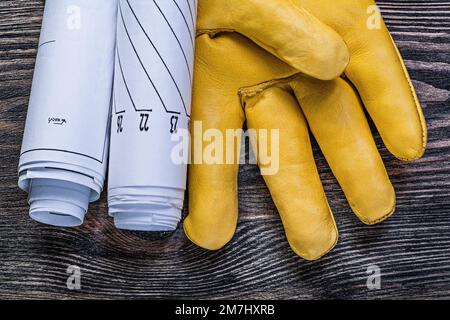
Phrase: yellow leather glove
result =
(241, 75)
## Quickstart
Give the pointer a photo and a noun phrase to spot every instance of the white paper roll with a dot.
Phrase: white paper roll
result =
(64, 152)
(151, 104)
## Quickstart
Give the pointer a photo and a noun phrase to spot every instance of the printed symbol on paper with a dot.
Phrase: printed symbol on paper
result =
(144, 122)
(74, 280)
(374, 277)
(173, 124)
(120, 124)
(57, 121)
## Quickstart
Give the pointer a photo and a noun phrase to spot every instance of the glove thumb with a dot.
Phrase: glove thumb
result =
(284, 29)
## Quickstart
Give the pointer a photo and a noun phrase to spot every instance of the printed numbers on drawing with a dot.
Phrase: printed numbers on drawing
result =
(144, 126)
(120, 124)
(173, 124)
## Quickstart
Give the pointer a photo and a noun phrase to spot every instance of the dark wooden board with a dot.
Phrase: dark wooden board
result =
(412, 248)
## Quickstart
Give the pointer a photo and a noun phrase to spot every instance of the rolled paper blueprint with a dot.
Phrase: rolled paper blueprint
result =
(151, 104)
(65, 145)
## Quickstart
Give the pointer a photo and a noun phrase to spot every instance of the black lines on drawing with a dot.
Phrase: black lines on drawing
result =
(115, 105)
(114, 91)
(160, 57)
(190, 13)
(126, 84)
(46, 42)
(185, 21)
(178, 40)
(141, 63)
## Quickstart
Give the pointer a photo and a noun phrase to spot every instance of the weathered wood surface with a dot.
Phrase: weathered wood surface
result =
(412, 249)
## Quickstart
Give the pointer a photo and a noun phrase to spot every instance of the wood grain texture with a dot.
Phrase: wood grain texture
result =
(412, 248)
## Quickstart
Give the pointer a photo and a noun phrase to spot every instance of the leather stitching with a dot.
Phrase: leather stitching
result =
(212, 32)
(373, 222)
(252, 91)
(416, 102)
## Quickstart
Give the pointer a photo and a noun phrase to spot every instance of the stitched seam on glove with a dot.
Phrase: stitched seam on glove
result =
(213, 32)
(417, 104)
(373, 222)
(252, 91)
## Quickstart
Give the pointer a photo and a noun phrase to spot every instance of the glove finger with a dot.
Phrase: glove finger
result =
(378, 72)
(282, 28)
(213, 205)
(337, 120)
(295, 187)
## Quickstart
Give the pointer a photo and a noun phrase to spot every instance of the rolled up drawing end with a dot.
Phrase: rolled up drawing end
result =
(152, 94)
(134, 209)
(64, 151)
(58, 197)
(155, 219)
(58, 203)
